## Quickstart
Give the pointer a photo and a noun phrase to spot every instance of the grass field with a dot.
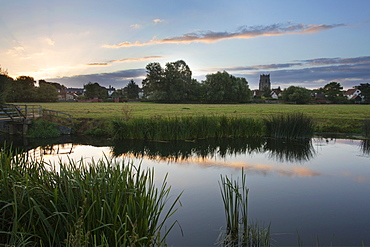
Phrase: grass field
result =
(329, 118)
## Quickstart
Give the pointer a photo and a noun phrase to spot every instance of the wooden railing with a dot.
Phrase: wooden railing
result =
(10, 112)
(58, 117)
(30, 111)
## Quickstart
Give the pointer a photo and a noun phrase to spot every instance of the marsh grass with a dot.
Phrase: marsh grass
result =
(185, 128)
(289, 126)
(239, 232)
(366, 128)
(102, 203)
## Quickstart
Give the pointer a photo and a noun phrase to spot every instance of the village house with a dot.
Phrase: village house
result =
(353, 93)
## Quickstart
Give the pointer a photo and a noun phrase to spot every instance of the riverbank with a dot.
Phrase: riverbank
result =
(328, 118)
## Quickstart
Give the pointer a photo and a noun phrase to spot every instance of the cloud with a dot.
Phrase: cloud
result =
(337, 60)
(310, 73)
(158, 21)
(135, 59)
(255, 67)
(118, 79)
(244, 32)
(125, 60)
(97, 64)
(49, 41)
(136, 26)
(314, 77)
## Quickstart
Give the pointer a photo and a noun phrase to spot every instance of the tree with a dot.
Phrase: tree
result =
(267, 92)
(300, 95)
(365, 91)
(46, 93)
(93, 90)
(222, 87)
(333, 92)
(57, 85)
(22, 90)
(5, 83)
(170, 84)
(132, 90)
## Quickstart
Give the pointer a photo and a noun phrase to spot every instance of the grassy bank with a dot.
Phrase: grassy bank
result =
(102, 203)
(328, 118)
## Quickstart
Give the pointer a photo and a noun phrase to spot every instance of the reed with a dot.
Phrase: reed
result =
(289, 126)
(239, 232)
(102, 203)
(185, 128)
(366, 128)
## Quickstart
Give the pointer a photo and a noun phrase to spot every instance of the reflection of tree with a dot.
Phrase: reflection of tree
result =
(289, 150)
(365, 146)
(182, 150)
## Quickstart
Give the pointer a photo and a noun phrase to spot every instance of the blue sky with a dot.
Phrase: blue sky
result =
(305, 43)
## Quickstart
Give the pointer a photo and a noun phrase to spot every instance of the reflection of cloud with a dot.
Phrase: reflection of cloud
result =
(244, 32)
(359, 179)
(256, 169)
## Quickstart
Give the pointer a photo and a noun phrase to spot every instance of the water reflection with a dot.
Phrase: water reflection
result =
(281, 150)
(289, 150)
(365, 146)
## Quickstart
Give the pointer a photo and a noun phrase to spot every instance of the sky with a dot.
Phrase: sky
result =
(306, 43)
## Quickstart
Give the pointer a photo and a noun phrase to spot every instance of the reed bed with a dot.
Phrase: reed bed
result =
(185, 128)
(102, 203)
(289, 126)
(239, 232)
(366, 128)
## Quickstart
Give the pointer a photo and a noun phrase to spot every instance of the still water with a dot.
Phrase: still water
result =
(315, 191)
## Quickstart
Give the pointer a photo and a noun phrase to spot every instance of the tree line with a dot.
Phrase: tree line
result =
(173, 83)
(24, 89)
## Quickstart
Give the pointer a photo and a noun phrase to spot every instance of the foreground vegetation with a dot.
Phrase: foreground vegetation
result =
(102, 203)
(327, 118)
(239, 231)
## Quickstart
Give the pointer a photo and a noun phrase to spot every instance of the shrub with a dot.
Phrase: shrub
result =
(42, 128)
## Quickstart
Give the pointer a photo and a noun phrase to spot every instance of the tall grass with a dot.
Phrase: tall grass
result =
(239, 231)
(289, 126)
(185, 128)
(102, 203)
(366, 128)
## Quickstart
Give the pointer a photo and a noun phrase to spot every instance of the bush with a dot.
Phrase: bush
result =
(42, 128)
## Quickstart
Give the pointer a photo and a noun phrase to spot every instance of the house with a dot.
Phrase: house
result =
(65, 96)
(276, 93)
(110, 90)
(77, 91)
(353, 93)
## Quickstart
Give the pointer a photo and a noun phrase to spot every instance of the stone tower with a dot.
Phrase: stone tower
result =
(264, 82)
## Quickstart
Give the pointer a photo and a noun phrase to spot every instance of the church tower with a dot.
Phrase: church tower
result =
(264, 82)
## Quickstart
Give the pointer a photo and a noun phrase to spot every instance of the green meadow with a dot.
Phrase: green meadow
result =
(328, 118)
